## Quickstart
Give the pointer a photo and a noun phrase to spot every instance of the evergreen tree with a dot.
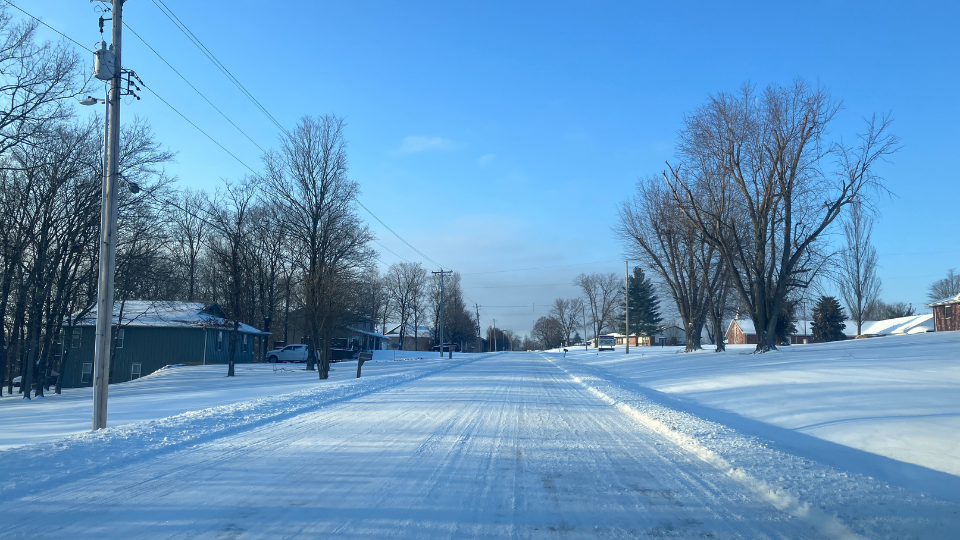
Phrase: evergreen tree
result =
(644, 306)
(828, 319)
(785, 323)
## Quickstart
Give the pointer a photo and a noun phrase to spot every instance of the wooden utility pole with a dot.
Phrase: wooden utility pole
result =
(626, 302)
(108, 233)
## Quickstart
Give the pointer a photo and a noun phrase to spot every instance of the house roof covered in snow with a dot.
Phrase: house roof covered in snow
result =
(803, 327)
(166, 314)
(422, 331)
(915, 324)
(952, 300)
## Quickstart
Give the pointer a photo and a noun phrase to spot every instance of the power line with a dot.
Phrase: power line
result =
(48, 26)
(520, 286)
(538, 268)
(398, 236)
(210, 56)
(391, 251)
(194, 87)
(174, 109)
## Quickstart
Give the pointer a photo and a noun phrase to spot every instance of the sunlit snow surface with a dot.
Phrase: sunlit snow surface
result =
(522, 445)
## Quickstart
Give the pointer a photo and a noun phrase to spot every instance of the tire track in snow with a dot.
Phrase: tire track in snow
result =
(780, 499)
(32, 468)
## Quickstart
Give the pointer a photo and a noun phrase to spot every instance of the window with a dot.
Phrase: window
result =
(86, 372)
(135, 371)
(219, 340)
(243, 344)
(947, 312)
(118, 339)
(75, 340)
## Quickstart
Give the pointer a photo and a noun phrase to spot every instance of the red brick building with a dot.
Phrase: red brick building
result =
(946, 314)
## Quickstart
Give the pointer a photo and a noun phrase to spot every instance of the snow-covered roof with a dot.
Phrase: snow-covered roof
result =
(367, 332)
(166, 314)
(422, 331)
(850, 330)
(951, 300)
(915, 324)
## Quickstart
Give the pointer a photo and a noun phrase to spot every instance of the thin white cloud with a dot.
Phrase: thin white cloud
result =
(485, 159)
(413, 144)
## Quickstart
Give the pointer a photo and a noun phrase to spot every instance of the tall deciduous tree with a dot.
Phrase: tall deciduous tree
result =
(307, 181)
(655, 232)
(567, 313)
(602, 295)
(858, 279)
(772, 183)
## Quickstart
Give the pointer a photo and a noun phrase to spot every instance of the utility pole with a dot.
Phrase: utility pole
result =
(108, 232)
(442, 272)
(494, 335)
(479, 337)
(626, 302)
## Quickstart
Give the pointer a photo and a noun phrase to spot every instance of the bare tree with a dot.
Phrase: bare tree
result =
(38, 81)
(656, 233)
(418, 300)
(947, 287)
(307, 181)
(602, 296)
(402, 286)
(230, 214)
(761, 181)
(189, 232)
(858, 279)
(567, 313)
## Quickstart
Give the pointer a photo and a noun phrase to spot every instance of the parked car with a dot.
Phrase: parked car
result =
(51, 380)
(606, 343)
(290, 353)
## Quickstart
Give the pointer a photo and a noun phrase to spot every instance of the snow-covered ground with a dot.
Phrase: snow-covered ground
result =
(523, 445)
(895, 397)
(170, 391)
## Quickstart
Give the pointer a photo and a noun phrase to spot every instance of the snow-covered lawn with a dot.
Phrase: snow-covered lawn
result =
(896, 396)
(168, 392)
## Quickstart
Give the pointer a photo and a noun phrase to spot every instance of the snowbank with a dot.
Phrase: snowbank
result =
(895, 400)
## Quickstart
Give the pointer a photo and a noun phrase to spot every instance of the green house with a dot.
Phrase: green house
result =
(154, 334)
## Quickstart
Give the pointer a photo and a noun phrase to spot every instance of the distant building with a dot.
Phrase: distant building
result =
(414, 338)
(152, 335)
(946, 314)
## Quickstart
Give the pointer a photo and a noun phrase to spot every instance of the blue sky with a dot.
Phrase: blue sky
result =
(501, 135)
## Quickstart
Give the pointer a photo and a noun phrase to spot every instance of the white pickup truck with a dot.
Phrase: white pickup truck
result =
(290, 353)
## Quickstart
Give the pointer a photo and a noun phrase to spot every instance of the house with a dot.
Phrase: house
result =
(153, 334)
(742, 332)
(946, 314)
(424, 337)
(635, 340)
(362, 335)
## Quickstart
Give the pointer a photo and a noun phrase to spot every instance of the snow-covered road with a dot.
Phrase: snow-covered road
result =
(510, 445)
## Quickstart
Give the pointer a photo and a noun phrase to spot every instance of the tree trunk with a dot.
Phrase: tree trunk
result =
(233, 348)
